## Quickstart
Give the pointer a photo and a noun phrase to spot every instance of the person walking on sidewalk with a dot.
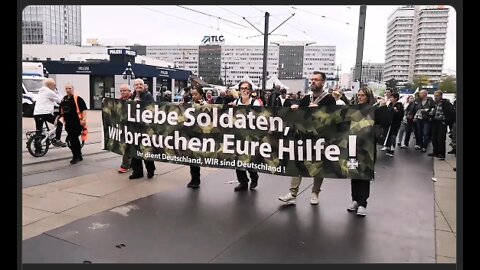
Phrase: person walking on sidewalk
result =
(74, 112)
(319, 97)
(406, 127)
(125, 94)
(422, 117)
(398, 112)
(442, 115)
(141, 94)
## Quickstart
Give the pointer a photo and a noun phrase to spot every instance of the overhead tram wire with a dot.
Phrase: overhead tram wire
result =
(296, 28)
(320, 15)
(227, 10)
(262, 11)
(187, 20)
(339, 54)
(209, 15)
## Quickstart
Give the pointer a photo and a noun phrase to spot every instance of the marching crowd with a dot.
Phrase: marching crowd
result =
(429, 119)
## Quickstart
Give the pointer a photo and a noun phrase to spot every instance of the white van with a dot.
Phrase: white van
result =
(30, 88)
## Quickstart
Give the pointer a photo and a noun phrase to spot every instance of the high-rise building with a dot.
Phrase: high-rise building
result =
(416, 38)
(52, 25)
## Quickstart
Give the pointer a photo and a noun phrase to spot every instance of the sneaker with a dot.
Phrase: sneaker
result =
(59, 143)
(150, 174)
(288, 198)
(123, 170)
(384, 148)
(390, 153)
(314, 198)
(403, 146)
(417, 147)
(452, 152)
(361, 211)
(353, 206)
(424, 150)
(440, 157)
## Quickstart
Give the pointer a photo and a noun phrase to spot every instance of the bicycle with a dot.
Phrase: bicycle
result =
(39, 144)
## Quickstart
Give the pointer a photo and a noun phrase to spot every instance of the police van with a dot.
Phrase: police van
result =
(30, 87)
(32, 81)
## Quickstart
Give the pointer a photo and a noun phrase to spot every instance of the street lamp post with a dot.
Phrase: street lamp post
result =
(128, 73)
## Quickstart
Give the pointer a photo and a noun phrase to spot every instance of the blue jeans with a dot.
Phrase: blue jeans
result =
(423, 133)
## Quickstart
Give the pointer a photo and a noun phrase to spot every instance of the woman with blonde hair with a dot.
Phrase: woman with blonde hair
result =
(360, 188)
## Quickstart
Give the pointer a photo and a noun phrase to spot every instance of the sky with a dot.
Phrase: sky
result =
(185, 25)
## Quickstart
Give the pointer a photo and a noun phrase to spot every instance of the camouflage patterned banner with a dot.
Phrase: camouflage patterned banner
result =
(333, 142)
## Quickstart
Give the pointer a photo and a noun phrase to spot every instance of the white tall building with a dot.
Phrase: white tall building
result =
(286, 61)
(183, 57)
(247, 60)
(60, 24)
(416, 38)
(319, 58)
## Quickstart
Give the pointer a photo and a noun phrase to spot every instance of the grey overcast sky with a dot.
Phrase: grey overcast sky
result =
(325, 25)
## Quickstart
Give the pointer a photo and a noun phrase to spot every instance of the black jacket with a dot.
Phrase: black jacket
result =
(397, 115)
(144, 96)
(448, 111)
(429, 106)
(278, 102)
(327, 100)
(410, 110)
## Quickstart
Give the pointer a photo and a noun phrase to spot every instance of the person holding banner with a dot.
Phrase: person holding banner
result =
(125, 94)
(246, 100)
(197, 98)
(360, 188)
(141, 94)
(317, 98)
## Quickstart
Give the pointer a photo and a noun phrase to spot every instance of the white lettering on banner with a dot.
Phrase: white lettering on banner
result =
(228, 120)
(175, 141)
(331, 152)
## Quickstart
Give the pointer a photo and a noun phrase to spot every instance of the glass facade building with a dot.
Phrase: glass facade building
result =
(51, 25)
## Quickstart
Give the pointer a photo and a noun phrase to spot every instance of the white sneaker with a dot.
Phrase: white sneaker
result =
(288, 198)
(353, 206)
(361, 211)
(384, 148)
(314, 198)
